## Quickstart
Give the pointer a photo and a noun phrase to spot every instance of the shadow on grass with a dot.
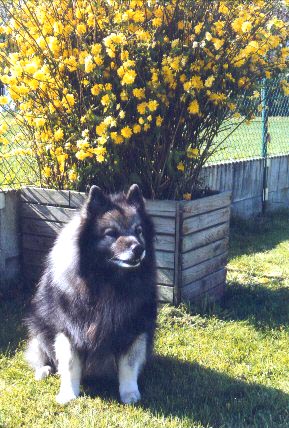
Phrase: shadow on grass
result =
(12, 330)
(264, 307)
(174, 388)
(260, 234)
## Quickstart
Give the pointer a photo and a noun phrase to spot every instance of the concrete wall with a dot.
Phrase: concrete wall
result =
(245, 180)
(9, 241)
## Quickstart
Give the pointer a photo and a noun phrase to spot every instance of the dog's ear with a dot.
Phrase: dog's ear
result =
(97, 201)
(134, 197)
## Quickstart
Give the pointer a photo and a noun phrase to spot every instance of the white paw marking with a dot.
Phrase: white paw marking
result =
(42, 372)
(130, 397)
(63, 397)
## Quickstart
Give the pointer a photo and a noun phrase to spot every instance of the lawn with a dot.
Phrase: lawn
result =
(246, 141)
(220, 366)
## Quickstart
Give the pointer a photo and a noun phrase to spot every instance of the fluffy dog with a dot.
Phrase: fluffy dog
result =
(94, 311)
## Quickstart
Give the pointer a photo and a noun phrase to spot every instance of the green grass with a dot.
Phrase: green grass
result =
(220, 366)
(246, 140)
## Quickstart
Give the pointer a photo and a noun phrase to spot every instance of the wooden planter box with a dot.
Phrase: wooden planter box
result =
(191, 243)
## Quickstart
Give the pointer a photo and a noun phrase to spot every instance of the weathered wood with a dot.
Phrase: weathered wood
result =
(204, 237)
(199, 271)
(44, 212)
(77, 199)
(199, 287)
(37, 242)
(41, 227)
(177, 255)
(207, 204)
(35, 195)
(165, 294)
(165, 242)
(203, 221)
(165, 276)
(194, 257)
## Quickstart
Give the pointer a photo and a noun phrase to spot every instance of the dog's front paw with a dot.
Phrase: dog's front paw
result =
(130, 397)
(42, 372)
(63, 397)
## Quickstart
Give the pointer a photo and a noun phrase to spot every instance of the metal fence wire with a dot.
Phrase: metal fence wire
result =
(266, 135)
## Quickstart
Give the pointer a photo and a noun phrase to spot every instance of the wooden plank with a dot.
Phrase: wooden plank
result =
(35, 195)
(205, 236)
(165, 276)
(34, 257)
(204, 205)
(41, 227)
(45, 212)
(165, 242)
(199, 271)
(196, 288)
(164, 225)
(194, 257)
(36, 242)
(161, 208)
(164, 259)
(203, 221)
(165, 294)
(77, 199)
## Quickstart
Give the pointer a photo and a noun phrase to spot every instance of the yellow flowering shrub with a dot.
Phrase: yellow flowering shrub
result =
(113, 92)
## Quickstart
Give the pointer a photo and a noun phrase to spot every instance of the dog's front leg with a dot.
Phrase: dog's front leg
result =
(129, 366)
(69, 368)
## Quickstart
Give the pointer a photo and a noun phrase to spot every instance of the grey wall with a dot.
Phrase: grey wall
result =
(9, 240)
(245, 180)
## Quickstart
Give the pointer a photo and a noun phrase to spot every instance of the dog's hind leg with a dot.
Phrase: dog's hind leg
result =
(129, 366)
(69, 368)
(37, 358)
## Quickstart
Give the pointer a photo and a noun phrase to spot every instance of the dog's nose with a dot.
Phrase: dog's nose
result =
(137, 250)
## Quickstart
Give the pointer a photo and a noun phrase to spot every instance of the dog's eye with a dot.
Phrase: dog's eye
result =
(138, 230)
(113, 233)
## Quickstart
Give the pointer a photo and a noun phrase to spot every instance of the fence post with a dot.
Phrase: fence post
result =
(265, 138)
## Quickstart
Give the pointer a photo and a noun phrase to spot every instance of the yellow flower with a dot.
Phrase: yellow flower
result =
(196, 82)
(194, 107)
(101, 129)
(72, 175)
(117, 139)
(128, 77)
(180, 167)
(192, 153)
(159, 121)
(89, 65)
(152, 105)
(246, 27)
(198, 28)
(95, 90)
(58, 134)
(187, 196)
(141, 108)
(126, 132)
(81, 29)
(209, 81)
(105, 100)
(47, 171)
(223, 9)
(136, 129)
(3, 100)
(139, 93)
(181, 25)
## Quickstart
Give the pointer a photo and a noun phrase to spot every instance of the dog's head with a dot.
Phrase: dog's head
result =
(118, 230)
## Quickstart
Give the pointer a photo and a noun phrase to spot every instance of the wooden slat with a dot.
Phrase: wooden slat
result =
(204, 205)
(197, 223)
(165, 276)
(199, 271)
(201, 286)
(194, 257)
(41, 227)
(36, 242)
(161, 208)
(34, 195)
(205, 236)
(165, 242)
(77, 199)
(165, 294)
(44, 212)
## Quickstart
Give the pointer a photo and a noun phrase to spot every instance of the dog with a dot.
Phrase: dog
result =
(95, 307)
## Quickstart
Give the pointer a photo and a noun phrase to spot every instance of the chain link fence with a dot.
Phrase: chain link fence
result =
(266, 135)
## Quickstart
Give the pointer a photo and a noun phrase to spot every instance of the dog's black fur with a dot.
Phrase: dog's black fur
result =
(98, 305)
